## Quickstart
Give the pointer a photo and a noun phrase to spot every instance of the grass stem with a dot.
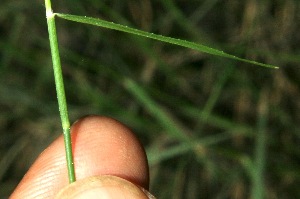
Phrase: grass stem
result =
(61, 97)
(258, 187)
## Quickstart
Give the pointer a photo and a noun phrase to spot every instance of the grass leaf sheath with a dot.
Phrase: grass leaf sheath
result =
(61, 97)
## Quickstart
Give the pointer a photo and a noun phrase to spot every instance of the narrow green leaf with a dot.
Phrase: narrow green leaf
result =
(172, 128)
(179, 42)
(258, 176)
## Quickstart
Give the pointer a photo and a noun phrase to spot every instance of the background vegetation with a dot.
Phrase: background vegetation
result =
(243, 119)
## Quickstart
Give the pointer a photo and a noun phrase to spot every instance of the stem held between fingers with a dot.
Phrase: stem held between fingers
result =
(59, 84)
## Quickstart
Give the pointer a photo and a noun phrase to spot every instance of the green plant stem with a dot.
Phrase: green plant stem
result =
(60, 90)
(258, 187)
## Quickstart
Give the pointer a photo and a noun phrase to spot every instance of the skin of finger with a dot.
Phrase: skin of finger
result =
(102, 187)
(101, 146)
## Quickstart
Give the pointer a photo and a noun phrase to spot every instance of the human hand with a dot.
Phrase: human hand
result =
(109, 163)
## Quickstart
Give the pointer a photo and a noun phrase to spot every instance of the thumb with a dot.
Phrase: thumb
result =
(100, 187)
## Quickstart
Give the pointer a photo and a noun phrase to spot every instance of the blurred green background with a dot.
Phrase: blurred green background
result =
(243, 120)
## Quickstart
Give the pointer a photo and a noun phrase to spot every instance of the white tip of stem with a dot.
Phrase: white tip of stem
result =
(49, 13)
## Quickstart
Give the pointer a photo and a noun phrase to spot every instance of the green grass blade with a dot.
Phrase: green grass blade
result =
(155, 155)
(179, 42)
(154, 109)
(258, 187)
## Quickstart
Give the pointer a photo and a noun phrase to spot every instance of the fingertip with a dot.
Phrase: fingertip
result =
(101, 146)
(121, 152)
